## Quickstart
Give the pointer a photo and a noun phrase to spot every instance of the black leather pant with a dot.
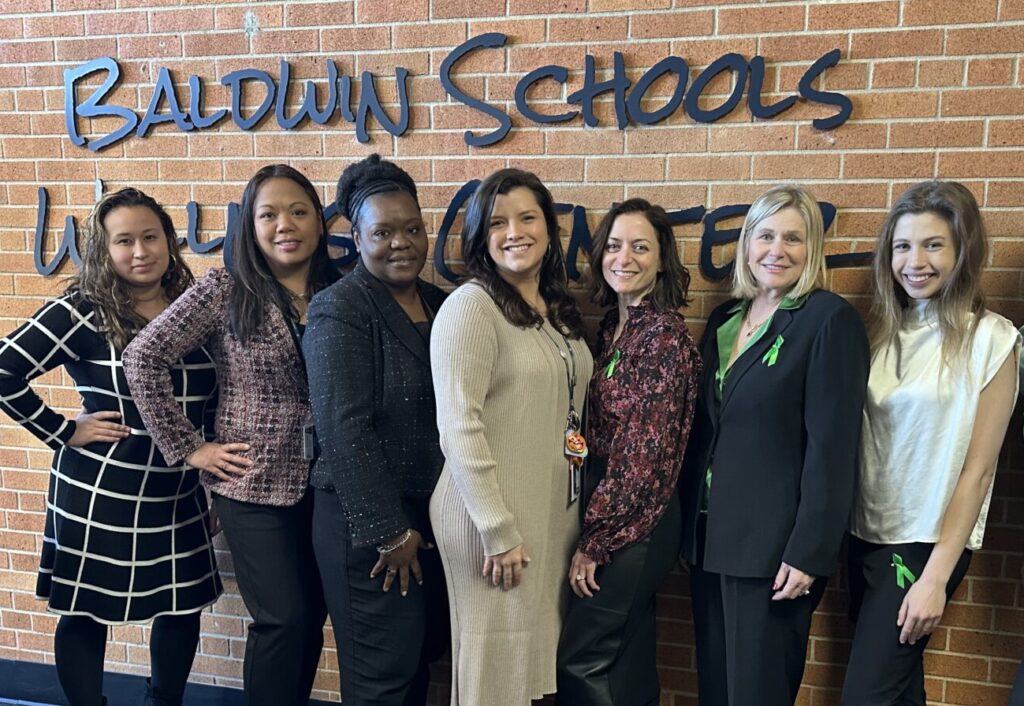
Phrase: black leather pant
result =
(606, 655)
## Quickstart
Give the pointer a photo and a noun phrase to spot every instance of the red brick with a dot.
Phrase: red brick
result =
(116, 23)
(386, 11)
(319, 14)
(905, 104)
(677, 24)
(909, 43)
(801, 47)
(709, 168)
(445, 9)
(849, 136)
(192, 19)
(761, 20)
(655, 140)
(286, 41)
(51, 26)
(599, 29)
(25, 52)
(796, 166)
(149, 46)
(267, 16)
(984, 101)
(948, 12)
(216, 44)
(353, 39)
(546, 7)
(604, 169)
(893, 74)
(952, 133)
(519, 31)
(441, 34)
(989, 40)
(853, 15)
(622, 5)
(918, 165)
(990, 72)
(975, 694)
(940, 72)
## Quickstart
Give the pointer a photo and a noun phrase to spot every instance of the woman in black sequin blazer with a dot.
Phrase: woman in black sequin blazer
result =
(367, 353)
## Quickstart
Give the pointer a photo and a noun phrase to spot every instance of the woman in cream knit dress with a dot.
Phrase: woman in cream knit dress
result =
(506, 349)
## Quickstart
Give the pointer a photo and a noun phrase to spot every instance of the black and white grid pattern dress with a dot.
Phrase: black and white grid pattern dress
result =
(126, 536)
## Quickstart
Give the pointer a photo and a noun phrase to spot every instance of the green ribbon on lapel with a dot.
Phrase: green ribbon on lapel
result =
(610, 368)
(773, 353)
(903, 574)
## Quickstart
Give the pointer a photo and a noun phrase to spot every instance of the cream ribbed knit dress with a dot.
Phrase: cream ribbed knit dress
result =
(501, 404)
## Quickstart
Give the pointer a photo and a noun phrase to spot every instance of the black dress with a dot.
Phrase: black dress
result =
(126, 536)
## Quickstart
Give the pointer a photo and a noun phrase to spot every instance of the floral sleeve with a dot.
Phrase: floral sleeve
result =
(644, 403)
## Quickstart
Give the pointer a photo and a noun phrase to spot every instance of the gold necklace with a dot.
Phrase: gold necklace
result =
(751, 327)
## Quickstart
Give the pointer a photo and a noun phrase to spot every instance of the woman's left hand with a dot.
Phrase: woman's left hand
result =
(921, 610)
(585, 567)
(790, 583)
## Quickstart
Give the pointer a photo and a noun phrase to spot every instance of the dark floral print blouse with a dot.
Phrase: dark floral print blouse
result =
(642, 400)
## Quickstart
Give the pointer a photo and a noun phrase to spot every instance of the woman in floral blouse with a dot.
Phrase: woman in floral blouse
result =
(642, 397)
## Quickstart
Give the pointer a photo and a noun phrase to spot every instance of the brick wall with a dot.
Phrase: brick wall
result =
(937, 88)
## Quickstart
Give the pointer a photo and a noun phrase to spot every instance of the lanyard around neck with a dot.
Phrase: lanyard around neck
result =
(567, 361)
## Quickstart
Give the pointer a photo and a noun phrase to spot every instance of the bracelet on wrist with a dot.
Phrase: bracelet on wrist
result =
(388, 548)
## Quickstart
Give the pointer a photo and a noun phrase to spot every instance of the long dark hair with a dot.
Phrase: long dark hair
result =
(98, 283)
(563, 313)
(255, 284)
(960, 303)
(673, 280)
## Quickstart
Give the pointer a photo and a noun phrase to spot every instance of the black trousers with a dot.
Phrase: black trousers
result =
(80, 643)
(386, 642)
(272, 550)
(881, 671)
(751, 650)
(606, 654)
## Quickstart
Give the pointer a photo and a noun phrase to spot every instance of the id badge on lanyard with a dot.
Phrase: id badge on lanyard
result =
(575, 451)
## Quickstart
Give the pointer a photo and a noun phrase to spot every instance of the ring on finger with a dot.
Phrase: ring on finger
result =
(581, 577)
(391, 571)
(806, 592)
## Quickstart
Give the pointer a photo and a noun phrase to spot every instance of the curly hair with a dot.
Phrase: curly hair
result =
(369, 177)
(563, 313)
(99, 284)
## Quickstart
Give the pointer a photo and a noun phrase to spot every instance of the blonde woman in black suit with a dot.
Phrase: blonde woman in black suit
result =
(769, 472)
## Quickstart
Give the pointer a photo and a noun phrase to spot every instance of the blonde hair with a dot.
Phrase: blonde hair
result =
(98, 283)
(960, 296)
(744, 286)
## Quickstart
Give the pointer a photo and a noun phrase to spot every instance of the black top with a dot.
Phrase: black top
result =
(373, 403)
(782, 442)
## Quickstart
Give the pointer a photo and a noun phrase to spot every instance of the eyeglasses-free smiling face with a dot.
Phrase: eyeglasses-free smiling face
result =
(632, 257)
(923, 254)
(518, 236)
(287, 226)
(392, 239)
(137, 245)
(777, 251)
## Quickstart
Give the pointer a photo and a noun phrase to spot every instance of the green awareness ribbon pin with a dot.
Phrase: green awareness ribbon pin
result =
(773, 353)
(903, 574)
(609, 369)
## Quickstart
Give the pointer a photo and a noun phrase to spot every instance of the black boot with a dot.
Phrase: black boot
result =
(157, 697)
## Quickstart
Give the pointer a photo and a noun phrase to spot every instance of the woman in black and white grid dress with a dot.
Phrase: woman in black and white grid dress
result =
(126, 537)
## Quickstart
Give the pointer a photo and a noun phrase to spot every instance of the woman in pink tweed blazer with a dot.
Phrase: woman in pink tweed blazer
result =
(251, 317)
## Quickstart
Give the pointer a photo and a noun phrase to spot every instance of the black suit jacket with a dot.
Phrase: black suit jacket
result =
(373, 404)
(782, 445)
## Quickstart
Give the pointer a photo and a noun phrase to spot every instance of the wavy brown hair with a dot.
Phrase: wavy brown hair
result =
(960, 302)
(563, 313)
(673, 279)
(99, 284)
